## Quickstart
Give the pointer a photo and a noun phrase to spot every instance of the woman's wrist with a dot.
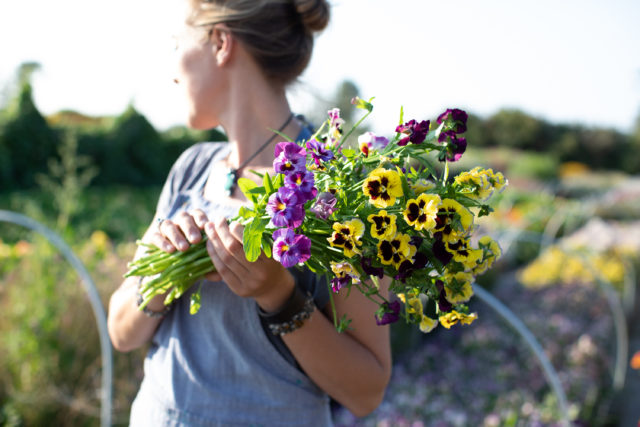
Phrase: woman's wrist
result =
(291, 314)
(278, 295)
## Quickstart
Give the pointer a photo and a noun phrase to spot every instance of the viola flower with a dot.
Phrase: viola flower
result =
(491, 251)
(396, 250)
(453, 317)
(335, 126)
(463, 253)
(303, 183)
(389, 312)
(412, 302)
(476, 183)
(458, 287)
(344, 275)
(324, 205)
(285, 208)
(407, 267)
(290, 248)
(421, 213)
(427, 324)
(422, 185)
(383, 225)
(443, 304)
(289, 157)
(367, 266)
(347, 236)
(319, 152)
(454, 221)
(413, 132)
(454, 119)
(455, 146)
(440, 252)
(369, 141)
(382, 186)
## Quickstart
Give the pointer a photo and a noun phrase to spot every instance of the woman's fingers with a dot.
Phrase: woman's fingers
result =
(187, 224)
(200, 218)
(161, 242)
(171, 231)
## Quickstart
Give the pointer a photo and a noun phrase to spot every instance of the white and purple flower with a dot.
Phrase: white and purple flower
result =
(289, 157)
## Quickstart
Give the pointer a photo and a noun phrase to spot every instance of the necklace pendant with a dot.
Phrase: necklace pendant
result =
(230, 183)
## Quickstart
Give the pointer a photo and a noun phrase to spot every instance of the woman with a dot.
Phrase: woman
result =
(228, 364)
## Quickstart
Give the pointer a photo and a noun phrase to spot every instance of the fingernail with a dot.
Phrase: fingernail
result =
(184, 246)
(167, 247)
(194, 236)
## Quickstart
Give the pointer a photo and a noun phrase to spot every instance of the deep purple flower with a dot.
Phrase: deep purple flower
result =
(414, 132)
(406, 268)
(319, 152)
(455, 146)
(443, 304)
(391, 313)
(303, 183)
(368, 268)
(324, 206)
(290, 248)
(285, 208)
(440, 252)
(289, 157)
(455, 120)
(338, 283)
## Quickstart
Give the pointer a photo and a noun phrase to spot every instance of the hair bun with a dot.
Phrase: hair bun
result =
(314, 13)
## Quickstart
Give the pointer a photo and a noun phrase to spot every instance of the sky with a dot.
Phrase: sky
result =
(566, 61)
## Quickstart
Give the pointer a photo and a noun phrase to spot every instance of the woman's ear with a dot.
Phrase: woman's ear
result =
(223, 44)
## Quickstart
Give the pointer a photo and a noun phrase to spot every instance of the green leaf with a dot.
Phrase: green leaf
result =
(246, 213)
(266, 246)
(349, 153)
(246, 185)
(252, 238)
(195, 301)
(267, 183)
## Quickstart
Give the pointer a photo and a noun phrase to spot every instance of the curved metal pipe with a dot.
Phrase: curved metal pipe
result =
(94, 299)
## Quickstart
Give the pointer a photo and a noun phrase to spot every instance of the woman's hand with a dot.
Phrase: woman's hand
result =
(179, 233)
(264, 280)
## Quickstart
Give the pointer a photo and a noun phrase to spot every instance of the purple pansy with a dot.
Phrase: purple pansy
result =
(368, 268)
(302, 182)
(290, 248)
(440, 252)
(338, 283)
(289, 157)
(406, 268)
(455, 146)
(391, 313)
(319, 152)
(443, 305)
(285, 208)
(455, 120)
(413, 132)
(370, 141)
(324, 206)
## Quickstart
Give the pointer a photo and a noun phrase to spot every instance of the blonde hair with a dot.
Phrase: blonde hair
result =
(277, 33)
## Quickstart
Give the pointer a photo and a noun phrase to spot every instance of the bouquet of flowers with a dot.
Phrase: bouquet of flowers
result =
(386, 207)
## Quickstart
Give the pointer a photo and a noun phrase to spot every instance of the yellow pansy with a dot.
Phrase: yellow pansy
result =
(449, 319)
(347, 235)
(395, 250)
(454, 221)
(422, 212)
(458, 288)
(382, 186)
(383, 225)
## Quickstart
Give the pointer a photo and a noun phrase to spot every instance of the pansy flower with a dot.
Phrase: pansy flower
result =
(422, 185)
(383, 225)
(335, 126)
(302, 182)
(382, 186)
(389, 312)
(395, 250)
(344, 275)
(370, 141)
(289, 157)
(407, 267)
(324, 205)
(454, 119)
(491, 251)
(290, 248)
(476, 183)
(443, 304)
(453, 317)
(453, 222)
(454, 146)
(413, 131)
(463, 253)
(285, 208)
(347, 236)
(458, 288)
(319, 152)
(421, 212)
(367, 266)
